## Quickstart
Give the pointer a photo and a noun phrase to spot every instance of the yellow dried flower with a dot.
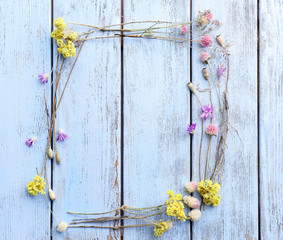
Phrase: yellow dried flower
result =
(58, 34)
(36, 186)
(67, 50)
(210, 192)
(59, 23)
(175, 207)
(73, 36)
(160, 228)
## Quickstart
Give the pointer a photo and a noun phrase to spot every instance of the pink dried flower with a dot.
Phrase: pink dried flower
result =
(209, 15)
(191, 202)
(61, 136)
(43, 77)
(211, 130)
(191, 128)
(206, 41)
(220, 71)
(205, 57)
(207, 111)
(184, 29)
(30, 141)
(191, 186)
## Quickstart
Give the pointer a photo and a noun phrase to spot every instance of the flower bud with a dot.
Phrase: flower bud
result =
(191, 87)
(169, 225)
(52, 195)
(50, 153)
(58, 158)
(191, 186)
(205, 73)
(194, 215)
(220, 41)
(62, 227)
(191, 202)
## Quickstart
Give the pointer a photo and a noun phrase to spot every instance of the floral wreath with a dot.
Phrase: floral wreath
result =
(178, 207)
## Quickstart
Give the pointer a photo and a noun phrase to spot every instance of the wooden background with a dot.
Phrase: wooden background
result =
(126, 111)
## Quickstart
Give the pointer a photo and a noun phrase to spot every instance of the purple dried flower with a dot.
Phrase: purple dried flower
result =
(220, 71)
(30, 141)
(43, 77)
(207, 111)
(61, 136)
(191, 128)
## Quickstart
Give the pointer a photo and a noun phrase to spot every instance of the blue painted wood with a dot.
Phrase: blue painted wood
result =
(24, 53)
(156, 114)
(237, 215)
(88, 178)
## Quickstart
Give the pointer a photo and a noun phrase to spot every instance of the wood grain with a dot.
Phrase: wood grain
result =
(271, 98)
(24, 53)
(156, 114)
(88, 178)
(237, 215)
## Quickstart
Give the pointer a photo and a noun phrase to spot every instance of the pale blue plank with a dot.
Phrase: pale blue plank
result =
(237, 215)
(156, 113)
(88, 178)
(271, 140)
(24, 53)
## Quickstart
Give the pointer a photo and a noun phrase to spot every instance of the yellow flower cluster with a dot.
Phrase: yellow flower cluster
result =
(36, 186)
(160, 228)
(65, 38)
(210, 192)
(175, 207)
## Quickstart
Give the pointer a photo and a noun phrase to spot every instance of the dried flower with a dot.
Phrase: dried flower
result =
(211, 130)
(58, 158)
(220, 41)
(59, 23)
(72, 36)
(220, 71)
(184, 29)
(206, 41)
(175, 207)
(50, 153)
(205, 73)
(51, 194)
(62, 227)
(205, 57)
(191, 128)
(43, 77)
(169, 225)
(191, 87)
(36, 186)
(207, 111)
(191, 202)
(194, 215)
(204, 18)
(160, 228)
(61, 136)
(30, 141)
(209, 192)
(191, 186)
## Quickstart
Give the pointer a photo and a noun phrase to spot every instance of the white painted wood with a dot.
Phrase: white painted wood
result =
(88, 178)
(156, 114)
(271, 142)
(237, 215)
(24, 53)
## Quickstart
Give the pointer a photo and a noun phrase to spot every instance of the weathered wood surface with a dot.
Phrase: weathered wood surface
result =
(138, 119)
(270, 115)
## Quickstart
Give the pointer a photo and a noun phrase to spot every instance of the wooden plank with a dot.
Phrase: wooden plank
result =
(237, 215)
(88, 178)
(156, 114)
(271, 98)
(24, 53)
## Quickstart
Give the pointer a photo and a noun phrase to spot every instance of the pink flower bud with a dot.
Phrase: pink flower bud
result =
(191, 202)
(211, 130)
(206, 41)
(205, 57)
(191, 186)
(184, 29)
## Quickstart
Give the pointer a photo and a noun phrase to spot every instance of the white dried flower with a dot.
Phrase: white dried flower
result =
(191, 186)
(191, 87)
(220, 41)
(169, 225)
(62, 227)
(58, 158)
(194, 215)
(52, 195)
(205, 73)
(191, 202)
(50, 153)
